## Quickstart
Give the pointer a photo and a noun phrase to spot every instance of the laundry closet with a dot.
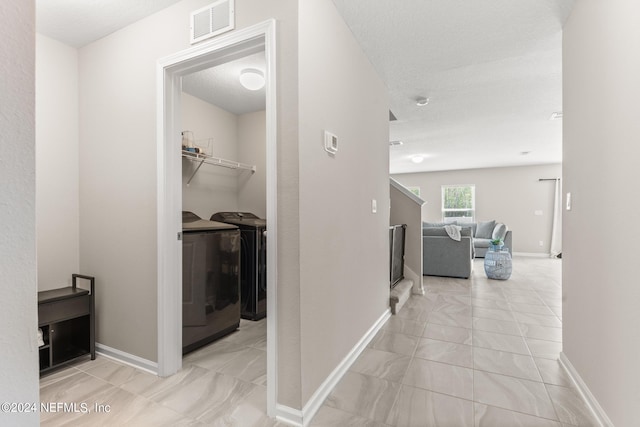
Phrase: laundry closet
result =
(223, 145)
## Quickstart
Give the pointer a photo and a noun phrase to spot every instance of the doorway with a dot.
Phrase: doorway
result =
(170, 70)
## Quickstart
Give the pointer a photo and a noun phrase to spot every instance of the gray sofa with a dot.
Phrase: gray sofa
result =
(482, 232)
(443, 256)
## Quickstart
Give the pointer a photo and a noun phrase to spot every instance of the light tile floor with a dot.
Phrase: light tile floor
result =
(474, 352)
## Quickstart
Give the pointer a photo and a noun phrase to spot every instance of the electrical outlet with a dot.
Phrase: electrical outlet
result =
(541, 243)
(374, 206)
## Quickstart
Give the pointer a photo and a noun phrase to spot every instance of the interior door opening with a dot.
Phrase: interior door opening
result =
(172, 73)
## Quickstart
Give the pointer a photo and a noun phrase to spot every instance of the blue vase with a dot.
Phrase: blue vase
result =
(495, 248)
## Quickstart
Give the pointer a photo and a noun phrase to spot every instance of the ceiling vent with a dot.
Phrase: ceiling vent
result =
(217, 18)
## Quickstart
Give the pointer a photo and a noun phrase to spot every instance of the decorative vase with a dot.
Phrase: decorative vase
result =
(495, 248)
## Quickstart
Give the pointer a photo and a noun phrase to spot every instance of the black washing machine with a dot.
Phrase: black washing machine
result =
(211, 303)
(253, 261)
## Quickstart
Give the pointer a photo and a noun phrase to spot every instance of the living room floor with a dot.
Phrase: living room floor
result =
(474, 353)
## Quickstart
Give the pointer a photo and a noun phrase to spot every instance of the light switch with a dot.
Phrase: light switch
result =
(568, 201)
(537, 213)
(374, 206)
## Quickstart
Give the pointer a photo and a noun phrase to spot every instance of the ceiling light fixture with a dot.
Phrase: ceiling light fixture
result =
(252, 79)
(417, 159)
(422, 101)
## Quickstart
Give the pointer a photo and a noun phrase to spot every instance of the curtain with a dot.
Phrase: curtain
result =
(556, 228)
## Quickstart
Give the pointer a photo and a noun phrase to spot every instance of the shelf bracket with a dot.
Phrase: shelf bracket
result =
(194, 172)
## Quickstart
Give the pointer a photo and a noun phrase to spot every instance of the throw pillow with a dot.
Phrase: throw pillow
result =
(485, 229)
(499, 232)
(433, 224)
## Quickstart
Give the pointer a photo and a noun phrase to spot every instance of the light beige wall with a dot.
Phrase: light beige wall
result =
(344, 247)
(118, 176)
(600, 276)
(252, 150)
(57, 204)
(510, 195)
(405, 210)
(18, 316)
(213, 188)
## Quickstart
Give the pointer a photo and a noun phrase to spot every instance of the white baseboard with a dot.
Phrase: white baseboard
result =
(127, 358)
(418, 288)
(532, 254)
(584, 391)
(302, 418)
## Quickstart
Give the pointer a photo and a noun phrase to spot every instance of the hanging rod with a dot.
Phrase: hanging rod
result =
(549, 179)
(215, 161)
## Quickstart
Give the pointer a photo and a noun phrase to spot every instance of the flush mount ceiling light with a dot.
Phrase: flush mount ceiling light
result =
(252, 79)
(422, 101)
(417, 159)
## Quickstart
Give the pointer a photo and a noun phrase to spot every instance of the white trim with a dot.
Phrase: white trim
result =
(584, 391)
(531, 254)
(404, 190)
(127, 358)
(418, 288)
(221, 49)
(303, 418)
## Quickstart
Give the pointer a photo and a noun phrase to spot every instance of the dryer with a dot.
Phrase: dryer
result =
(253, 261)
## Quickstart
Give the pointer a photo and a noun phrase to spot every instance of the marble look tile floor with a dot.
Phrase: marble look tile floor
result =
(222, 384)
(481, 353)
(477, 353)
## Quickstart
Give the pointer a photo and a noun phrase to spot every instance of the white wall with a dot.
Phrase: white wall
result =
(601, 295)
(213, 188)
(252, 150)
(57, 205)
(344, 247)
(510, 195)
(18, 316)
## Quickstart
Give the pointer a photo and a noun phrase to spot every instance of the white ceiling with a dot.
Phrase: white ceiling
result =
(80, 22)
(221, 86)
(491, 69)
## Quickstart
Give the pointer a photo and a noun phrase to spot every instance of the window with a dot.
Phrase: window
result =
(458, 203)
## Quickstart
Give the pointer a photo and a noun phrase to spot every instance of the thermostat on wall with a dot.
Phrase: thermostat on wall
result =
(330, 142)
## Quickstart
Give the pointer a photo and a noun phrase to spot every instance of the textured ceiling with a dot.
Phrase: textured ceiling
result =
(80, 22)
(220, 85)
(492, 70)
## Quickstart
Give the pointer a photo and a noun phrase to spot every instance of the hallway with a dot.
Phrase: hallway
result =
(475, 352)
(469, 353)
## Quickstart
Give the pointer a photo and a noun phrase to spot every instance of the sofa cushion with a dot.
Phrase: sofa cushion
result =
(485, 229)
(479, 242)
(470, 225)
(499, 232)
(440, 231)
(433, 224)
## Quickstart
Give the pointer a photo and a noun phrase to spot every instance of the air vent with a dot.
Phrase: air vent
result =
(212, 20)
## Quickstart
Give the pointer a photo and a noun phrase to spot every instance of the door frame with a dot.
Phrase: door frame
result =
(170, 70)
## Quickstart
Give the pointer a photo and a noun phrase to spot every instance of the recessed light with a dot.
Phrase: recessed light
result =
(422, 101)
(417, 159)
(252, 79)
(395, 143)
(557, 115)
